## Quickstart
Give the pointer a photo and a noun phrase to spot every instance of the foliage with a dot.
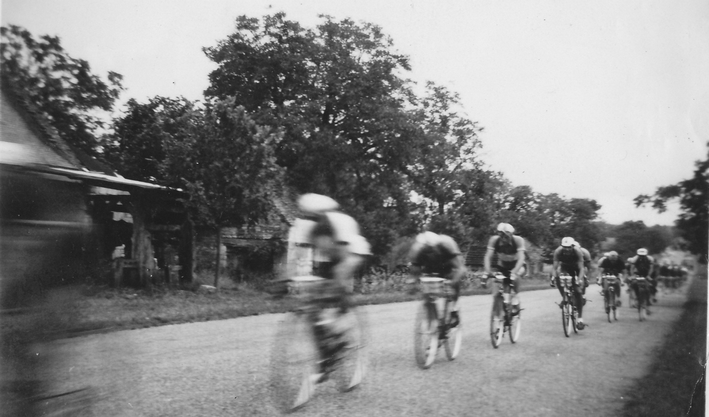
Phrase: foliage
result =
(353, 128)
(632, 235)
(62, 87)
(136, 148)
(693, 195)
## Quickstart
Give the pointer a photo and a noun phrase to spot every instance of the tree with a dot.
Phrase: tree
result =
(227, 164)
(63, 88)
(693, 195)
(353, 129)
(136, 148)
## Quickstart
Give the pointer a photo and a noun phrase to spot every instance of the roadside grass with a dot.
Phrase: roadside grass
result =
(102, 308)
(676, 383)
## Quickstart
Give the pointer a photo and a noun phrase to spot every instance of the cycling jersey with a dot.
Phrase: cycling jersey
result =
(508, 252)
(612, 266)
(642, 264)
(435, 259)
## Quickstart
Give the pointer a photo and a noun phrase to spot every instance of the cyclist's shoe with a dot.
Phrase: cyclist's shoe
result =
(552, 283)
(455, 319)
(515, 309)
(647, 311)
(584, 300)
(618, 303)
(580, 325)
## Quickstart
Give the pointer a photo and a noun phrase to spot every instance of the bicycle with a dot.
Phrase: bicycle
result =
(643, 297)
(433, 326)
(318, 339)
(502, 320)
(569, 312)
(608, 292)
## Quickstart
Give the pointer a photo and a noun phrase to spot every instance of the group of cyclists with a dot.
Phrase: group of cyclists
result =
(339, 250)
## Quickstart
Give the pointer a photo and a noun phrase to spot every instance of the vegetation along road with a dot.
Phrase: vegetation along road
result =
(220, 368)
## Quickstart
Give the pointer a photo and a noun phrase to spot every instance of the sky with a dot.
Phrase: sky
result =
(598, 99)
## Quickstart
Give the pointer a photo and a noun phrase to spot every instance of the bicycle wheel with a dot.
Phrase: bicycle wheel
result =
(574, 319)
(294, 357)
(351, 361)
(426, 335)
(642, 303)
(453, 341)
(566, 318)
(610, 303)
(497, 322)
(515, 327)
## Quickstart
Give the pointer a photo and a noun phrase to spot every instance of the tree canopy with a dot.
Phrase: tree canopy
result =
(693, 195)
(63, 88)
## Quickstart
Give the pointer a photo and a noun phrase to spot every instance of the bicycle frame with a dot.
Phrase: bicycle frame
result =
(568, 304)
(433, 322)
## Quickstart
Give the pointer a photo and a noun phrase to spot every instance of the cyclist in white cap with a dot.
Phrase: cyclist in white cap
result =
(612, 264)
(642, 265)
(339, 251)
(510, 252)
(438, 254)
(569, 259)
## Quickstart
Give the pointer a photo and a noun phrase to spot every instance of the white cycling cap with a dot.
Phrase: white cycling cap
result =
(316, 203)
(505, 227)
(567, 242)
(428, 238)
(612, 253)
(642, 251)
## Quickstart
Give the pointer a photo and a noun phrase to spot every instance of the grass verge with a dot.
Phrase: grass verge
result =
(104, 309)
(676, 383)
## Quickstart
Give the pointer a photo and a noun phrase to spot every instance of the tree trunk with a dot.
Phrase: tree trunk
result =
(142, 244)
(219, 257)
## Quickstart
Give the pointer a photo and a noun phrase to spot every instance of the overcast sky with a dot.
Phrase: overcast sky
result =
(591, 99)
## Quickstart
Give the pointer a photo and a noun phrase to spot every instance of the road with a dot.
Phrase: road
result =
(220, 368)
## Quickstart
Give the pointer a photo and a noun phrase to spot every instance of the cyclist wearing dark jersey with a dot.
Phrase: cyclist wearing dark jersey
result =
(642, 265)
(439, 255)
(510, 252)
(569, 259)
(613, 265)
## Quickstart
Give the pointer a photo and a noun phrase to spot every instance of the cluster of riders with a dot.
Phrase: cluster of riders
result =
(339, 251)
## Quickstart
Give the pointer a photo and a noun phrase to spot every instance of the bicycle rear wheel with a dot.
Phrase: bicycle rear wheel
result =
(453, 341)
(351, 361)
(515, 327)
(294, 358)
(497, 322)
(426, 335)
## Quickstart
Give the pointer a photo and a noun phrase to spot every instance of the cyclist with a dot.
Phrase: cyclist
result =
(586, 265)
(613, 265)
(510, 252)
(338, 252)
(438, 254)
(641, 265)
(569, 259)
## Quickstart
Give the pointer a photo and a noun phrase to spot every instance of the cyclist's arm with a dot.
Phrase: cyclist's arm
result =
(556, 262)
(520, 255)
(487, 262)
(580, 263)
(457, 262)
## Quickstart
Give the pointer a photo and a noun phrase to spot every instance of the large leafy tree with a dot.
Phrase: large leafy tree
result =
(137, 145)
(74, 100)
(353, 128)
(693, 195)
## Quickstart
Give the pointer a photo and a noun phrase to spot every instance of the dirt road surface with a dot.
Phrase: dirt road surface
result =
(221, 368)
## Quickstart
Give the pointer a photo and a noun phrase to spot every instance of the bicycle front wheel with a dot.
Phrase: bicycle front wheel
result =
(642, 304)
(453, 341)
(610, 303)
(294, 358)
(515, 327)
(426, 335)
(566, 318)
(351, 360)
(497, 322)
